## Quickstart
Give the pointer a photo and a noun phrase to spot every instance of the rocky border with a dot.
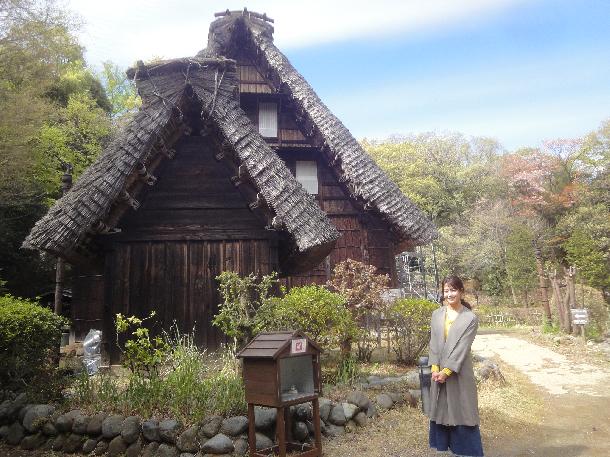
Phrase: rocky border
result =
(41, 427)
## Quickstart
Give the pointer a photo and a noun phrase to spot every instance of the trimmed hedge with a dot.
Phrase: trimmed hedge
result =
(29, 335)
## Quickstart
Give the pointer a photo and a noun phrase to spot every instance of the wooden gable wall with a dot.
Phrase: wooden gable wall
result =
(364, 236)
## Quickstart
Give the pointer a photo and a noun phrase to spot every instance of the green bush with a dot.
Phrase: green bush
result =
(410, 327)
(313, 309)
(29, 340)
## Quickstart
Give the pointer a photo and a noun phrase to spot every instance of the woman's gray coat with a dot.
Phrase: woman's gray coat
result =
(455, 401)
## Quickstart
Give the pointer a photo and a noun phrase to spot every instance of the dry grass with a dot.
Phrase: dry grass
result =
(507, 410)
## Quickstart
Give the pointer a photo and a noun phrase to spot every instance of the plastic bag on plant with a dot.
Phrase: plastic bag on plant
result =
(92, 348)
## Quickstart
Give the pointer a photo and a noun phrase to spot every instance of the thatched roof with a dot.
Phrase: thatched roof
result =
(92, 205)
(362, 175)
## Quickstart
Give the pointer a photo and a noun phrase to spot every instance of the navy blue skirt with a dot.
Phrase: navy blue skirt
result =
(460, 439)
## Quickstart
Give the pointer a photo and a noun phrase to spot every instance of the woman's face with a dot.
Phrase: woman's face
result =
(452, 295)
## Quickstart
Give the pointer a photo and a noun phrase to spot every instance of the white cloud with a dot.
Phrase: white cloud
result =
(129, 30)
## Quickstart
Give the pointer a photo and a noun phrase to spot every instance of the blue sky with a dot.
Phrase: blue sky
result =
(515, 70)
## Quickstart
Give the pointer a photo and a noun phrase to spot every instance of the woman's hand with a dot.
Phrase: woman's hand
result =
(440, 377)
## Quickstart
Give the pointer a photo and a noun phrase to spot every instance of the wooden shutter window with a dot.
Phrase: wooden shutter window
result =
(307, 175)
(267, 119)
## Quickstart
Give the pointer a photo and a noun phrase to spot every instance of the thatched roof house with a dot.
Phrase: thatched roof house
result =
(233, 162)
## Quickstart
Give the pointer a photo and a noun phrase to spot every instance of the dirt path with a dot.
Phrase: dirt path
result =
(575, 399)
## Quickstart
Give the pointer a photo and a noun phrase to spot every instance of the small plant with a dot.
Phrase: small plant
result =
(242, 297)
(348, 371)
(141, 354)
(410, 327)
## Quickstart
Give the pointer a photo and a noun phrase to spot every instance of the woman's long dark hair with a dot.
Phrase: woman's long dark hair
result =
(456, 283)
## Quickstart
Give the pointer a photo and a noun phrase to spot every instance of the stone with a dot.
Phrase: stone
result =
(89, 446)
(150, 430)
(187, 454)
(3, 431)
(187, 441)
(48, 444)
(412, 378)
(360, 419)
(384, 401)
(167, 450)
(73, 443)
(36, 416)
(350, 426)
(111, 426)
(94, 427)
(150, 449)
(32, 442)
(337, 415)
(360, 399)
(22, 412)
(130, 429)
(63, 423)
(371, 411)
(80, 424)
(134, 449)
(241, 447)
(117, 446)
(58, 443)
(15, 433)
(263, 441)
(397, 397)
(168, 430)
(101, 448)
(349, 410)
(264, 418)
(218, 444)
(325, 410)
(211, 426)
(300, 431)
(303, 412)
(334, 430)
(371, 379)
(49, 429)
(233, 426)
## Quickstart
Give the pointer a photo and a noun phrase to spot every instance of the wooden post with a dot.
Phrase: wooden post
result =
(316, 426)
(281, 431)
(60, 268)
(251, 430)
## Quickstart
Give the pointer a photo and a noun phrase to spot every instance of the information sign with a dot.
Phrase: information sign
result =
(580, 316)
(299, 346)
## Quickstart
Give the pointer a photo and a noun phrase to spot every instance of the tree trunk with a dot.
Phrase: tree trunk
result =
(513, 294)
(570, 273)
(559, 300)
(542, 284)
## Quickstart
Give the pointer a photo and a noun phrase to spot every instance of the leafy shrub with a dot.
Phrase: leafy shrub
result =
(141, 354)
(410, 327)
(29, 344)
(313, 309)
(242, 297)
(363, 289)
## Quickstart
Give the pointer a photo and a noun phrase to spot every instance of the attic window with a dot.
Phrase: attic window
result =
(267, 119)
(307, 175)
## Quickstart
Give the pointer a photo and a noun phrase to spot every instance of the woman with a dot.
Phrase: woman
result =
(454, 413)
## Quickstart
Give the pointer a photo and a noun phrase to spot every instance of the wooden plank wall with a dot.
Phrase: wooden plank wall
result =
(192, 225)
